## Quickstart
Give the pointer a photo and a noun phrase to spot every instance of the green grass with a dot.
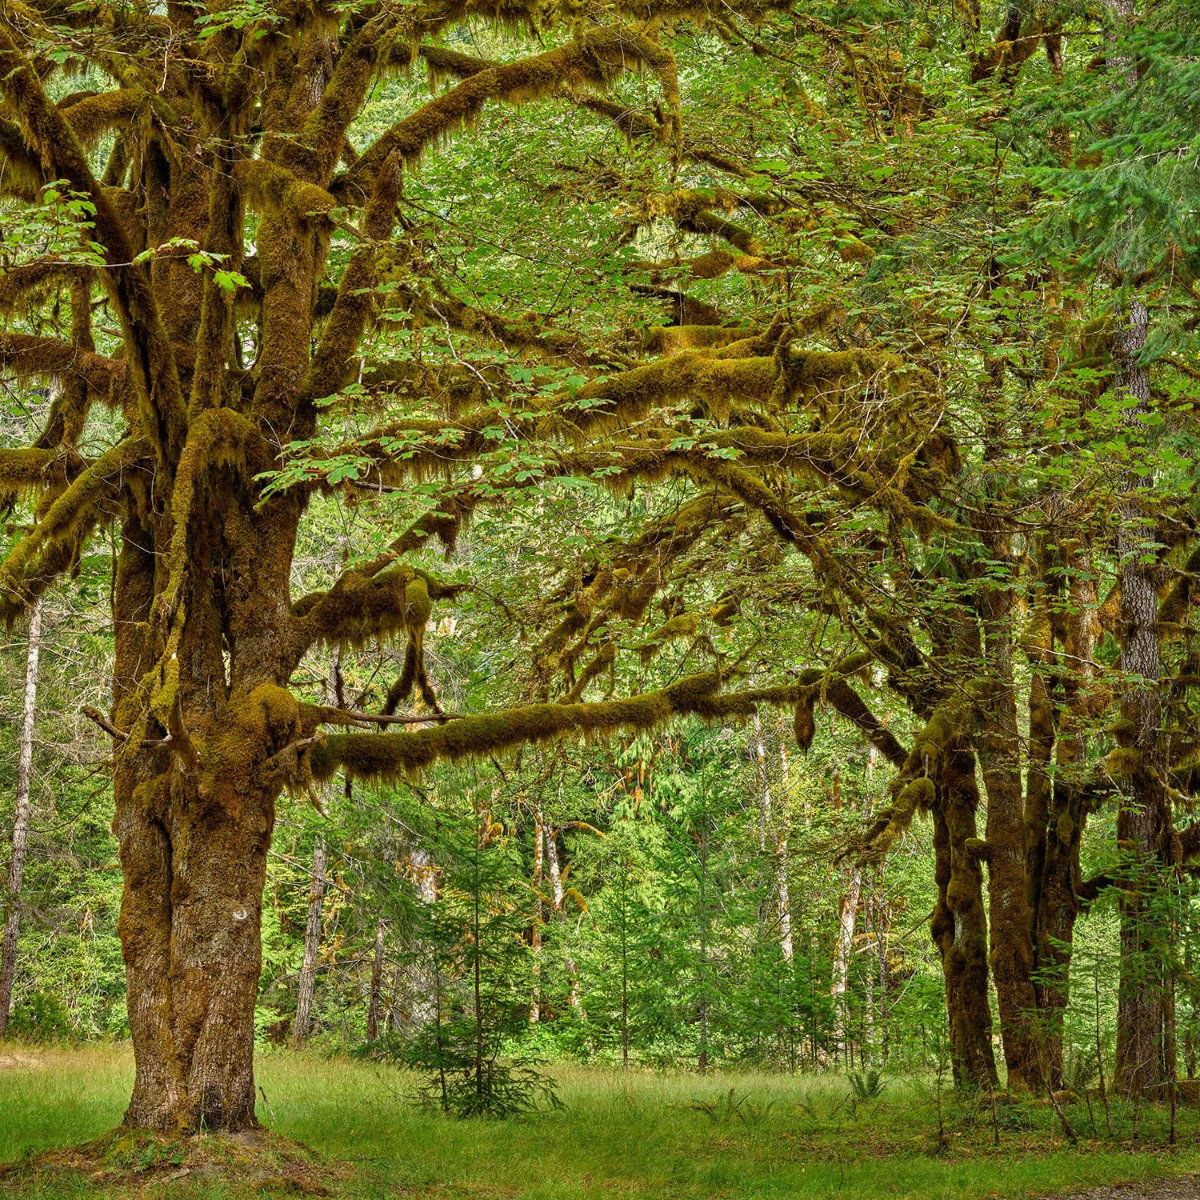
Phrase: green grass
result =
(638, 1135)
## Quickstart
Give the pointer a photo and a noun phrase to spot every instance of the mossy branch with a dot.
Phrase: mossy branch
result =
(32, 357)
(395, 755)
(54, 544)
(152, 365)
(593, 59)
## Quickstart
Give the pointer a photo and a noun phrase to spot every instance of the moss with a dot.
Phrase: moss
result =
(277, 189)
(671, 339)
(593, 59)
(393, 755)
(1123, 762)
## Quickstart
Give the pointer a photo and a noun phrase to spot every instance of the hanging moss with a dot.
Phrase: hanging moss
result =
(594, 58)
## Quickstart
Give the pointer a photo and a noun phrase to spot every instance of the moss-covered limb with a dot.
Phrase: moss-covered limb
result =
(526, 333)
(269, 186)
(217, 438)
(1016, 41)
(842, 697)
(357, 301)
(593, 59)
(394, 755)
(23, 171)
(29, 357)
(92, 116)
(216, 333)
(361, 608)
(693, 212)
(619, 582)
(151, 364)
(1179, 598)
(53, 545)
(370, 41)
(33, 468)
(23, 284)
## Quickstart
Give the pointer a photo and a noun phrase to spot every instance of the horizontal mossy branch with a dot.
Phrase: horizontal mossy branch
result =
(30, 357)
(395, 755)
(362, 607)
(33, 468)
(23, 284)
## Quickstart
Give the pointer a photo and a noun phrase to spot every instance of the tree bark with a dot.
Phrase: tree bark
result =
(21, 816)
(959, 927)
(1010, 920)
(317, 884)
(376, 998)
(1143, 820)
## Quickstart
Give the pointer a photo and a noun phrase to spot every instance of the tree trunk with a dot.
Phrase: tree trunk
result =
(190, 933)
(535, 926)
(1010, 920)
(959, 927)
(317, 884)
(1143, 820)
(376, 1000)
(20, 833)
(559, 894)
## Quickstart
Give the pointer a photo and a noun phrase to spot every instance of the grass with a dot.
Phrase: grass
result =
(726, 1137)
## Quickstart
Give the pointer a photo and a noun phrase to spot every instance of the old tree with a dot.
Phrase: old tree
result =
(226, 320)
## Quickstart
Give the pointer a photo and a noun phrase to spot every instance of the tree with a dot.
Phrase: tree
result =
(244, 248)
(23, 806)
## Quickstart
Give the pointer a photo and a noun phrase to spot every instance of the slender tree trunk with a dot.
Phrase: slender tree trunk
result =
(21, 815)
(783, 864)
(535, 927)
(559, 893)
(302, 1026)
(376, 1001)
(844, 950)
(424, 975)
(1143, 820)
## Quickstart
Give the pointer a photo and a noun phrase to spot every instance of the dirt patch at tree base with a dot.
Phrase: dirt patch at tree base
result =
(137, 1163)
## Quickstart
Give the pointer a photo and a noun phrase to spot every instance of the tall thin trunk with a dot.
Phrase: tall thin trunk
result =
(376, 1000)
(535, 927)
(20, 833)
(783, 863)
(317, 884)
(772, 842)
(424, 982)
(558, 891)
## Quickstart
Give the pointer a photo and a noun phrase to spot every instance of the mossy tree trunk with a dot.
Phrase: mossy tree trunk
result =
(959, 925)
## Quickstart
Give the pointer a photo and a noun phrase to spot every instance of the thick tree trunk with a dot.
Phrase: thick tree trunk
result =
(190, 927)
(21, 815)
(959, 927)
(317, 884)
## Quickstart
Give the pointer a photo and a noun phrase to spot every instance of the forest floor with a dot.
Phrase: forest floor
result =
(641, 1135)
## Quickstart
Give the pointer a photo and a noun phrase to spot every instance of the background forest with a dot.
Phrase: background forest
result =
(825, 381)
